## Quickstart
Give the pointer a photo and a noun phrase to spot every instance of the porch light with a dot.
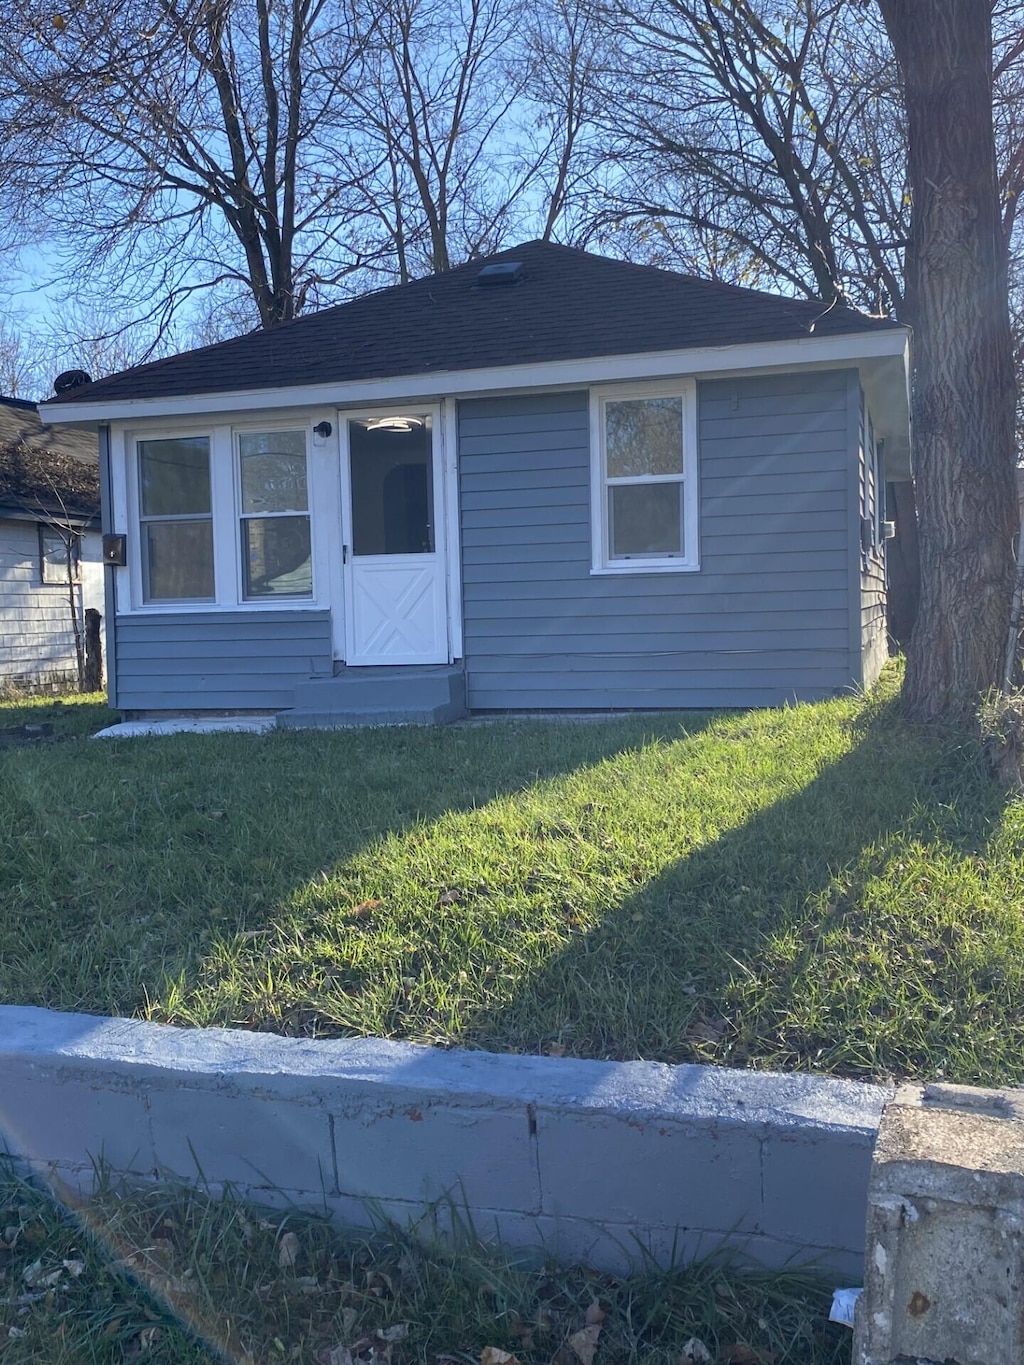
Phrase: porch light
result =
(398, 423)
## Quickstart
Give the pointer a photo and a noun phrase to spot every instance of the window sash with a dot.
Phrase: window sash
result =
(53, 565)
(605, 558)
(243, 536)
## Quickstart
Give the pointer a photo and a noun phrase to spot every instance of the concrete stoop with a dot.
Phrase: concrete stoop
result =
(398, 695)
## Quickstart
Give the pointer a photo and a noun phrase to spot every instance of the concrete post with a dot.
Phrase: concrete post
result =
(944, 1257)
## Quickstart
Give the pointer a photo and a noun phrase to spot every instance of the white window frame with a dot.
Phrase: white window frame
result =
(602, 562)
(135, 440)
(225, 502)
(48, 574)
(269, 429)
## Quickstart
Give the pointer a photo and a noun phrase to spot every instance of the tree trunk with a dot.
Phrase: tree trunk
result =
(93, 679)
(964, 383)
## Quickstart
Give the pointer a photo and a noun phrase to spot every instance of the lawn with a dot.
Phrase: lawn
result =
(171, 1277)
(821, 887)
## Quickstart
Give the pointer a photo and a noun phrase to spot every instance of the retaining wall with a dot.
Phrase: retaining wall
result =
(591, 1160)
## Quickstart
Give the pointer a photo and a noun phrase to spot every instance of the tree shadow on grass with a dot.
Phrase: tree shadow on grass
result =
(120, 870)
(852, 926)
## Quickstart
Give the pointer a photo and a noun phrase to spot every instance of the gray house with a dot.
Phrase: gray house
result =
(543, 480)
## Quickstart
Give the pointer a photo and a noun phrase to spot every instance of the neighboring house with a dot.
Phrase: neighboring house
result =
(542, 480)
(49, 512)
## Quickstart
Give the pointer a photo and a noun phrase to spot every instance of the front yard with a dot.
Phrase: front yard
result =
(823, 887)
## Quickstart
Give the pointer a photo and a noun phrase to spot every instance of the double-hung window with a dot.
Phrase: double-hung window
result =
(645, 478)
(276, 552)
(224, 518)
(60, 555)
(176, 520)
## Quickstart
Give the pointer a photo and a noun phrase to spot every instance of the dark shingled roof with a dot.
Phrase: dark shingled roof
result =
(45, 469)
(566, 305)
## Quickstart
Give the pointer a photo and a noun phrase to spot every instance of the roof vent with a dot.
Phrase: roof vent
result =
(503, 273)
(70, 379)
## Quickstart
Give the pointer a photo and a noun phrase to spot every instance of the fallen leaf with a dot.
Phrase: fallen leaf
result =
(349, 1317)
(595, 1314)
(554, 1049)
(288, 1250)
(13, 1333)
(695, 1353)
(361, 910)
(493, 1355)
(34, 1277)
(398, 1332)
(334, 1355)
(74, 1268)
(584, 1344)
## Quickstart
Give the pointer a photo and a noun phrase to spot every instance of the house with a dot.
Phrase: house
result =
(543, 480)
(49, 531)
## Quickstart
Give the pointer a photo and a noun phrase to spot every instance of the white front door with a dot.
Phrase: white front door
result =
(396, 602)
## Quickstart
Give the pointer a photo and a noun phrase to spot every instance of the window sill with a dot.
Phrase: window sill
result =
(642, 567)
(212, 608)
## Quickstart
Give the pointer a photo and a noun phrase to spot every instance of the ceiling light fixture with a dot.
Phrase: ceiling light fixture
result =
(398, 423)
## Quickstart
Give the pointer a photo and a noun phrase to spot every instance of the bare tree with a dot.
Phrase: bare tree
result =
(178, 144)
(429, 131)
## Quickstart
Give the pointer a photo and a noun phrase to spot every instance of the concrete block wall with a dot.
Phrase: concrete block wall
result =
(589, 1160)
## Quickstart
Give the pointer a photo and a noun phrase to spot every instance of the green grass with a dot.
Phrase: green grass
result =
(171, 1277)
(823, 887)
(69, 715)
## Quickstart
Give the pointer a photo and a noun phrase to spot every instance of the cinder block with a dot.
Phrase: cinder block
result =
(421, 1152)
(816, 1188)
(700, 1176)
(944, 1262)
(229, 1137)
(47, 1117)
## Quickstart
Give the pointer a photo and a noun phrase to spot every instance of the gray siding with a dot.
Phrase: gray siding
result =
(227, 660)
(873, 627)
(767, 617)
(37, 641)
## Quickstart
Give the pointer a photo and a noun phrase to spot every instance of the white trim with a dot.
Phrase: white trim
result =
(701, 360)
(452, 524)
(436, 414)
(268, 429)
(601, 562)
(225, 512)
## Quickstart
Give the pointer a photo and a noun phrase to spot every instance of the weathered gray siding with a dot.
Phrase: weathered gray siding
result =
(227, 660)
(873, 628)
(37, 643)
(767, 617)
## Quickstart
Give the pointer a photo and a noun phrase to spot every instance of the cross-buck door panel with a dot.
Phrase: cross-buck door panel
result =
(395, 580)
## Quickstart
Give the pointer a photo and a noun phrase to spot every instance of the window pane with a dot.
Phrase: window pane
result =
(273, 471)
(644, 436)
(54, 555)
(175, 476)
(276, 560)
(177, 560)
(392, 490)
(646, 519)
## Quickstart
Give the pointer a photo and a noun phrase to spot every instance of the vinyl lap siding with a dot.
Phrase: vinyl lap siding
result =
(230, 660)
(766, 618)
(873, 625)
(37, 642)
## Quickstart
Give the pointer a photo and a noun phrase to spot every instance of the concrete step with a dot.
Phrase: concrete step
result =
(379, 696)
